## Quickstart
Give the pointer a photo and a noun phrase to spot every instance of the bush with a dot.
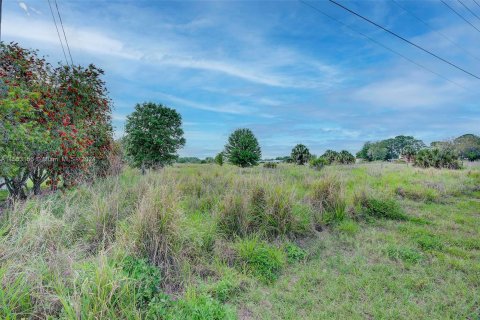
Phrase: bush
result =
(327, 199)
(260, 259)
(381, 208)
(270, 165)
(437, 158)
(318, 163)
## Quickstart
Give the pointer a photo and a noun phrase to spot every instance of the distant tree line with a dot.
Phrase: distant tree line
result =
(440, 154)
(389, 149)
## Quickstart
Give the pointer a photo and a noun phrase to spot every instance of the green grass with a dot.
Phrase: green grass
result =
(3, 195)
(375, 240)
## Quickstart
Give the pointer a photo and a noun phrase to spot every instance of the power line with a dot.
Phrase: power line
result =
(380, 44)
(436, 31)
(58, 33)
(64, 35)
(404, 39)
(473, 13)
(458, 14)
(478, 4)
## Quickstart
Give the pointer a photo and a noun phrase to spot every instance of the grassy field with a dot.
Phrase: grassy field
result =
(376, 241)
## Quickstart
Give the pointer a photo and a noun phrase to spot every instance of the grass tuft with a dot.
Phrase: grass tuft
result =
(260, 259)
(327, 199)
(380, 208)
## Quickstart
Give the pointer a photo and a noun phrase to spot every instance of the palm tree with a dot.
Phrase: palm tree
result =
(300, 154)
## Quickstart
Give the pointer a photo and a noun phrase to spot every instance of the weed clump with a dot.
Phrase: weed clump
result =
(103, 292)
(380, 208)
(155, 233)
(269, 211)
(328, 201)
(294, 253)
(15, 296)
(419, 193)
(260, 259)
(146, 279)
(199, 306)
(348, 227)
(429, 242)
(408, 255)
(234, 219)
(227, 287)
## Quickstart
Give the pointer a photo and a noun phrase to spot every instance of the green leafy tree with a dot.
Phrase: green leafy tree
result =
(399, 143)
(363, 153)
(300, 154)
(219, 159)
(468, 146)
(242, 148)
(153, 135)
(377, 152)
(68, 105)
(389, 148)
(21, 138)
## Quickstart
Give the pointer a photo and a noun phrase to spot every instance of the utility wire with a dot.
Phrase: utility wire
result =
(458, 14)
(64, 35)
(404, 39)
(469, 10)
(436, 31)
(381, 44)
(58, 33)
(478, 4)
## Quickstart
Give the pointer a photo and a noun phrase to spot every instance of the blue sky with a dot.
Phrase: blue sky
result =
(277, 67)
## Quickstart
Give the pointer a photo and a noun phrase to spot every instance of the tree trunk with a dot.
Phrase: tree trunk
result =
(16, 186)
(38, 176)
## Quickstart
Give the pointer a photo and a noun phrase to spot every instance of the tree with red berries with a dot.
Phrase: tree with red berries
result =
(55, 123)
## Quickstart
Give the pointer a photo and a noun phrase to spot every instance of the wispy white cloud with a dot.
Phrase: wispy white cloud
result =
(227, 108)
(24, 7)
(95, 41)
